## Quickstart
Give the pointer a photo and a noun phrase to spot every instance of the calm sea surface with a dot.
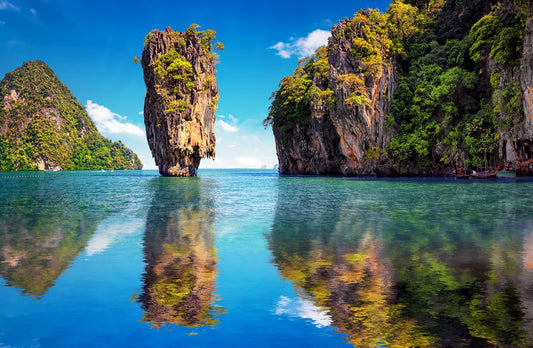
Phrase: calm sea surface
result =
(246, 258)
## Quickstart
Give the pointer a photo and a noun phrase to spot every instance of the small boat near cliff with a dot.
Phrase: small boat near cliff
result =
(484, 175)
(506, 174)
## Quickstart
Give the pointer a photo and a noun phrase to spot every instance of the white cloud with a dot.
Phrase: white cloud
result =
(305, 309)
(304, 46)
(33, 11)
(109, 122)
(6, 5)
(227, 126)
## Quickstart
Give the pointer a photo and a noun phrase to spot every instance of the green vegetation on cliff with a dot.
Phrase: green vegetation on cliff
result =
(43, 126)
(373, 36)
(448, 106)
(292, 104)
(175, 70)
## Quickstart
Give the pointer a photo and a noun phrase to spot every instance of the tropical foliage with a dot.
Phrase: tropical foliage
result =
(446, 109)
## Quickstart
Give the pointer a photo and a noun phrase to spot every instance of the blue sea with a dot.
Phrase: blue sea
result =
(248, 258)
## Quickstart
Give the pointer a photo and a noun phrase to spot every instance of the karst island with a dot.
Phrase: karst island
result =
(181, 98)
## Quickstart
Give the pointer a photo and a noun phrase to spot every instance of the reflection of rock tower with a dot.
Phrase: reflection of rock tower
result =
(181, 263)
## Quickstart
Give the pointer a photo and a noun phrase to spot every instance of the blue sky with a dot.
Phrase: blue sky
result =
(91, 44)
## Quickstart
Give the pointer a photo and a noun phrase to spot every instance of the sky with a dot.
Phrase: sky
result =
(90, 45)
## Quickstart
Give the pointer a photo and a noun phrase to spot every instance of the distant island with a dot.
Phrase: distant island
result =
(44, 127)
(426, 88)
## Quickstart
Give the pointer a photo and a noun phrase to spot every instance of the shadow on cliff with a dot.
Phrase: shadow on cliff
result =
(180, 256)
(371, 257)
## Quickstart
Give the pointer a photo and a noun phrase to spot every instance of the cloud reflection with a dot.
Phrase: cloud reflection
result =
(302, 308)
(111, 230)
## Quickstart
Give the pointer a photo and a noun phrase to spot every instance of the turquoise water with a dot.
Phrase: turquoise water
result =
(241, 258)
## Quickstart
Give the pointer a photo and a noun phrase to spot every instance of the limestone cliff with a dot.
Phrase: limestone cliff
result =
(181, 97)
(523, 138)
(329, 117)
(417, 90)
(507, 57)
(44, 127)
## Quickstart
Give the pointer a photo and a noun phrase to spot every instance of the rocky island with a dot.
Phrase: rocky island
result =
(181, 97)
(425, 88)
(44, 127)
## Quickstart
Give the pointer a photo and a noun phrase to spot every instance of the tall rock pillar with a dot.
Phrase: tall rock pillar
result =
(181, 97)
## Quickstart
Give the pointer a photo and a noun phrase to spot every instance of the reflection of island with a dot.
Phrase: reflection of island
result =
(43, 227)
(181, 262)
(384, 275)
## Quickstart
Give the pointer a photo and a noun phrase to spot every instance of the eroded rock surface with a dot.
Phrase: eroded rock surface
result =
(339, 120)
(181, 97)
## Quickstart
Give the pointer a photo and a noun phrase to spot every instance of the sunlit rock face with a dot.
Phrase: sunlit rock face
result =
(330, 115)
(355, 108)
(181, 96)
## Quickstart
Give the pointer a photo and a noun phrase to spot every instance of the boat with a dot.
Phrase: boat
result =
(459, 174)
(506, 174)
(483, 175)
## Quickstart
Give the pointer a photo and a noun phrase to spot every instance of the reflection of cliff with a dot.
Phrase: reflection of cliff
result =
(332, 254)
(526, 279)
(44, 225)
(386, 270)
(181, 263)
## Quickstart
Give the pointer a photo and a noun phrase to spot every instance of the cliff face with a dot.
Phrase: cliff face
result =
(181, 97)
(330, 114)
(526, 80)
(43, 127)
(425, 90)
(524, 136)
(512, 80)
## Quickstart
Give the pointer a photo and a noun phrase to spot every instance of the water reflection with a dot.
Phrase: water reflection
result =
(44, 225)
(395, 264)
(181, 260)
